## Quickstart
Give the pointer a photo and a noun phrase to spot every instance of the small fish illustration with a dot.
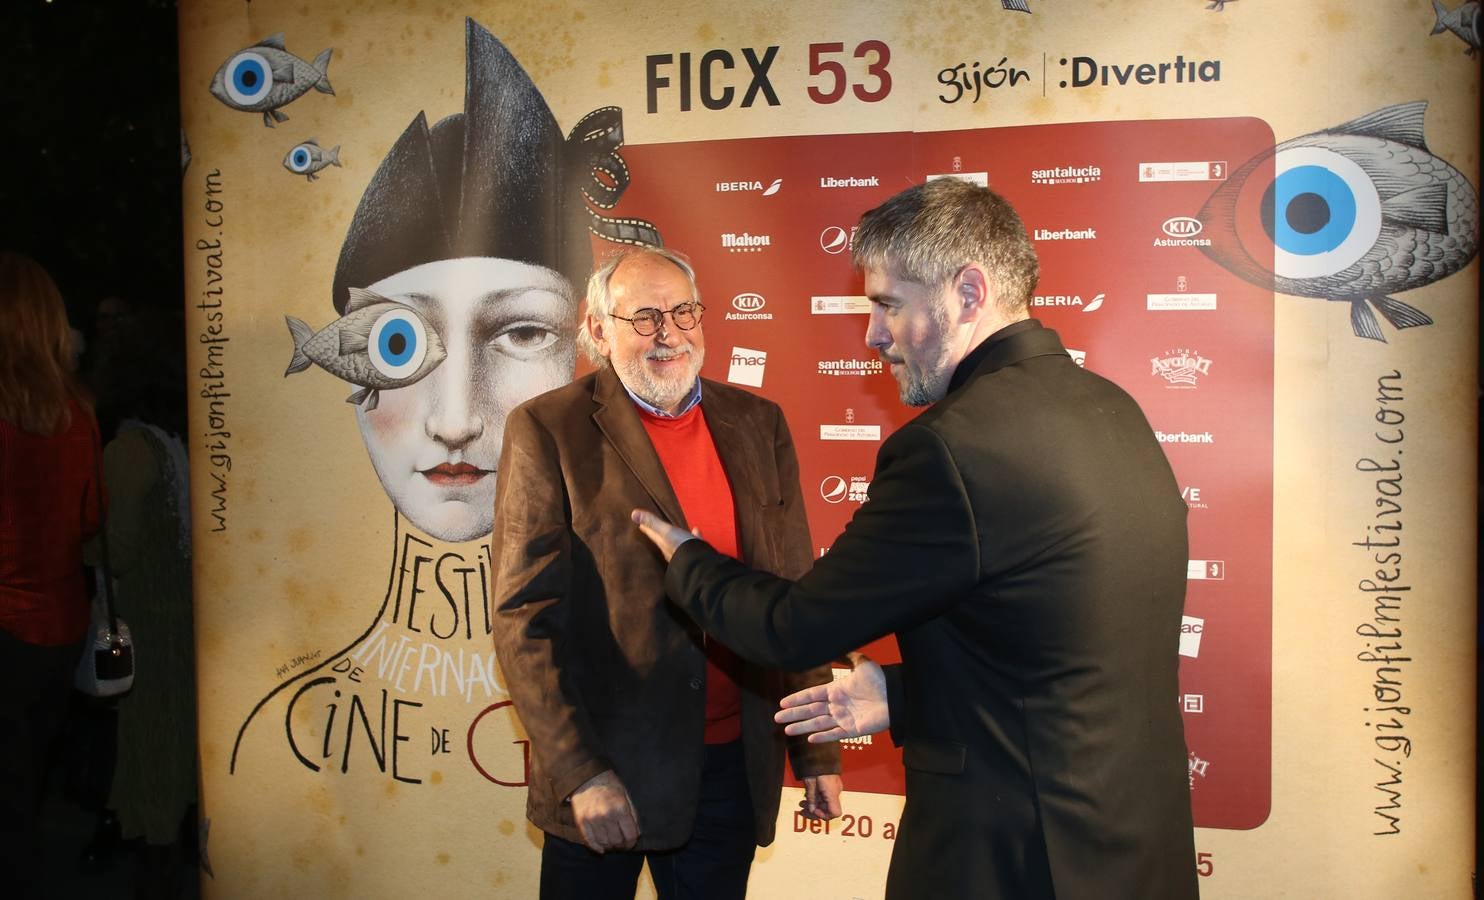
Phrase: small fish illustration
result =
(1352, 214)
(1016, 5)
(378, 345)
(265, 76)
(309, 157)
(1463, 22)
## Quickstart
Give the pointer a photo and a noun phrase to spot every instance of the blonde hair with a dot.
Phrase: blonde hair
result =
(36, 380)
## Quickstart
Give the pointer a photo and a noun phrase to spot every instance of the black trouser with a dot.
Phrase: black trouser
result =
(712, 865)
(37, 682)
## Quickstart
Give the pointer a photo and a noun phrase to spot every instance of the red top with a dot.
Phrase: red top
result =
(689, 456)
(48, 506)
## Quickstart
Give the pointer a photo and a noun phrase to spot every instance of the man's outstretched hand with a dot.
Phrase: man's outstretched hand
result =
(845, 708)
(665, 536)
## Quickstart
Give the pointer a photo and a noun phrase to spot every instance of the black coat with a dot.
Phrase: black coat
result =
(1025, 541)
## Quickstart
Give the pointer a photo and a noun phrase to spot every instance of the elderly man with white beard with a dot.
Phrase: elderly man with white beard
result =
(649, 741)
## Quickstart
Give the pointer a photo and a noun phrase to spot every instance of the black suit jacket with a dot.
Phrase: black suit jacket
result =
(604, 673)
(1025, 540)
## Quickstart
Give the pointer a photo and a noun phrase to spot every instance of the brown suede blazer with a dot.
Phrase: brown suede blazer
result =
(604, 672)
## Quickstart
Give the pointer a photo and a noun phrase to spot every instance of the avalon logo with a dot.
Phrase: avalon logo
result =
(835, 239)
(749, 307)
(1180, 367)
(1182, 226)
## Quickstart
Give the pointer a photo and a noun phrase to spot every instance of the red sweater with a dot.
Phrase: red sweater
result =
(689, 456)
(48, 505)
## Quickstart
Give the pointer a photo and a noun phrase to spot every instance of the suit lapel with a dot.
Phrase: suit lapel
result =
(619, 422)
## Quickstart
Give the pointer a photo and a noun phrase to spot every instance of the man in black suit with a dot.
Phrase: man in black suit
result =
(1025, 541)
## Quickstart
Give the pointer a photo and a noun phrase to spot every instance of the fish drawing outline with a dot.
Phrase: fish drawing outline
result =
(377, 345)
(308, 158)
(1463, 22)
(1354, 214)
(266, 76)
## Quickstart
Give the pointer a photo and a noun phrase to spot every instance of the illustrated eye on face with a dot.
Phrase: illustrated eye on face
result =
(398, 344)
(525, 339)
(249, 78)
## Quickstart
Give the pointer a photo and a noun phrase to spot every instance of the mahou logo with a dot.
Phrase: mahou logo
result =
(748, 307)
(1180, 368)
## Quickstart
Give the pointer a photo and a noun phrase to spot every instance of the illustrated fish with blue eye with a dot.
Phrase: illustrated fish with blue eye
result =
(1354, 214)
(379, 345)
(1463, 22)
(265, 76)
(309, 157)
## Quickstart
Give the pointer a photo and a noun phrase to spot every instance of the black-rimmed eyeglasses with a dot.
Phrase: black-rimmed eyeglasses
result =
(647, 321)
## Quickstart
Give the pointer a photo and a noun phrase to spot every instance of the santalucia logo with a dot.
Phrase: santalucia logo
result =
(850, 367)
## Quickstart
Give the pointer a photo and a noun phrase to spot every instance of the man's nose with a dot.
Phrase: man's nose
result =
(878, 337)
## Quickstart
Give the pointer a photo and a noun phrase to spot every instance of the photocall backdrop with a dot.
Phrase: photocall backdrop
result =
(1259, 218)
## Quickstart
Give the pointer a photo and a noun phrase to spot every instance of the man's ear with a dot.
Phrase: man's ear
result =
(974, 293)
(596, 328)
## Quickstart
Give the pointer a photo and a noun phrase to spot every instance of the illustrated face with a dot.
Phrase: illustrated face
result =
(435, 445)
(909, 327)
(662, 367)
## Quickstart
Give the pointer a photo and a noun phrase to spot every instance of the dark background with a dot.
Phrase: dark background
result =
(92, 148)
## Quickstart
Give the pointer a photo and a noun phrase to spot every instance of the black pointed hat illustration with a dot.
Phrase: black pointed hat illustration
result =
(496, 180)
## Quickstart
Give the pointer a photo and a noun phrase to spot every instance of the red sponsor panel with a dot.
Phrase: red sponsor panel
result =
(1128, 280)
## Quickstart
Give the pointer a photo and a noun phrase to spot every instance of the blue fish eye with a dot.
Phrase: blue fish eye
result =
(1308, 210)
(398, 343)
(301, 158)
(248, 78)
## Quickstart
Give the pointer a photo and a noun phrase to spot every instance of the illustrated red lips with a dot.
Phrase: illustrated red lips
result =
(454, 474)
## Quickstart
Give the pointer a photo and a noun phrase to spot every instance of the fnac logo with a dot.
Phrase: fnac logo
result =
(748, 302)
(1182, 226)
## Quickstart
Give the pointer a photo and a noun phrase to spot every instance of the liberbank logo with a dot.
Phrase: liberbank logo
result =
(1067, 175)
(1184, 437)
(746, 243)
(748, 308)
(1066, 234)
(749, 187)
(850, 367)
(1182, 231)
(850, 181)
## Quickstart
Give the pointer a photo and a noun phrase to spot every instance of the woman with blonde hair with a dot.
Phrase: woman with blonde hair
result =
(50, 501)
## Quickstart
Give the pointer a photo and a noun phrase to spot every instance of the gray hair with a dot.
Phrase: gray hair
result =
(599, 302)
(930, 231)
